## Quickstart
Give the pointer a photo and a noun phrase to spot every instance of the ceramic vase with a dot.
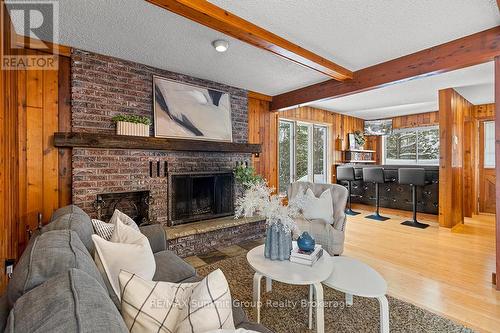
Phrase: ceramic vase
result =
(306, 242)
(278, 244)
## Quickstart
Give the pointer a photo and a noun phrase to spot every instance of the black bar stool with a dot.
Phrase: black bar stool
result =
(413, 177)
(376, 176)
(348, 174)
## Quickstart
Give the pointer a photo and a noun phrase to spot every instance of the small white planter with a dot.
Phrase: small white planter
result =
(126, 128)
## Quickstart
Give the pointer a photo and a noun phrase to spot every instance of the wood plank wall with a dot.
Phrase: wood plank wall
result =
(453, 111)
(497, 163)
(8, 158)
(35, 104)
(263, 129)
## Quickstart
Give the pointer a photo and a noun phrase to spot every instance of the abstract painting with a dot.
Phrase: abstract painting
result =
(190, 112)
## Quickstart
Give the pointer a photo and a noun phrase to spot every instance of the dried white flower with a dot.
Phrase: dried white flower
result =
(259, 199)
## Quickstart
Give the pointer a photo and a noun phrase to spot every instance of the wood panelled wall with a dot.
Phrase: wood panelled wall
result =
(454, 110)
(34, 176)
(416, 120)
(8, 158)
(263, 129)
(497, 163)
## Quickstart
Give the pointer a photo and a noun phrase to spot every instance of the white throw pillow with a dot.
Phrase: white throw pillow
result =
(318, 208)
(103, 229)
(124, 218)
(129, 250)
(149, 306)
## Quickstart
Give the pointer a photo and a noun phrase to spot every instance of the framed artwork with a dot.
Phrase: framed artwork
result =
(187, 111)
(378, 127)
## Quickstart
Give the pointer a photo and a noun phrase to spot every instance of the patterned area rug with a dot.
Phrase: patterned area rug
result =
(284, 308)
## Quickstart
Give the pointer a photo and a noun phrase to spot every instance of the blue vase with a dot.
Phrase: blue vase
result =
(306, 242)
(278, 244)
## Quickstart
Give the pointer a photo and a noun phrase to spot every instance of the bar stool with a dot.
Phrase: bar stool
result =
(376, 176)
(413, 177)
(348, 174)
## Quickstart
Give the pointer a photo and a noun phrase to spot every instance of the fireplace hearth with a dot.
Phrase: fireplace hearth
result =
(200, 196)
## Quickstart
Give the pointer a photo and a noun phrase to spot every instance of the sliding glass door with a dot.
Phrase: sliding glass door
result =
(302, 153)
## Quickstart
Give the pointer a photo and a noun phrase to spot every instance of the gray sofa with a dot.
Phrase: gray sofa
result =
(56, 286)
(330, 236)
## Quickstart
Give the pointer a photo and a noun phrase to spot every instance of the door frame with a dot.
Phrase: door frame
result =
(480, 163)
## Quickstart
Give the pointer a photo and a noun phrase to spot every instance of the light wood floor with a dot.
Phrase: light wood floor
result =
(447, 272)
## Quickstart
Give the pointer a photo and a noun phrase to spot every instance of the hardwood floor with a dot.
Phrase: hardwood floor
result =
(447, 272)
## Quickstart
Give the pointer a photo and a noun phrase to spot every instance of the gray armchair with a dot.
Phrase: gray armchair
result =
(330, 236)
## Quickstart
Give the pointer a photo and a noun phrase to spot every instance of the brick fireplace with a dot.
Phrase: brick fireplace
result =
(102, 87)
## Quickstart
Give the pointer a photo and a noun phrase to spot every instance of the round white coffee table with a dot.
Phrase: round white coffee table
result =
(354, 277)
(291, 273)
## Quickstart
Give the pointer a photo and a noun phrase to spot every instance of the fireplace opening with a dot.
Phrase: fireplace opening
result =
(196, 197)
(135, 204)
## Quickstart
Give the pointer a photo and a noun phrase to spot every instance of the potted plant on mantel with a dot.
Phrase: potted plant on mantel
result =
(132, 125)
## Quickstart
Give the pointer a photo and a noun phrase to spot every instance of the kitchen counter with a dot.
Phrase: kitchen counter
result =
(394, 195)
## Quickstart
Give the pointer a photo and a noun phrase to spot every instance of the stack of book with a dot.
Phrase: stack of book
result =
(306, 257)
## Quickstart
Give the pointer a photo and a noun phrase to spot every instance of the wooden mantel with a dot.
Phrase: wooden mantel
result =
(94, 140)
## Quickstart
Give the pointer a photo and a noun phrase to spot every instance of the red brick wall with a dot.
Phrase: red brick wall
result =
(102, 87)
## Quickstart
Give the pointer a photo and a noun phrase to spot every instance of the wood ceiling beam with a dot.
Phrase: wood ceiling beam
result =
(463, 52)
(214, 17)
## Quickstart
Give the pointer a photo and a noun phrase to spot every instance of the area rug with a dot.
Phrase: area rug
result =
(284, 308)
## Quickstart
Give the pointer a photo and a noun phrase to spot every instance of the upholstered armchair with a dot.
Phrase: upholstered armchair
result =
(330, 236)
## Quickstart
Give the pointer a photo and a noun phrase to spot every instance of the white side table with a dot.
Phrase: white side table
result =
(354, 277)
(291, 273)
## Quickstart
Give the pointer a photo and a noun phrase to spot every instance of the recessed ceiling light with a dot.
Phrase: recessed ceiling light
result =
(220, 45)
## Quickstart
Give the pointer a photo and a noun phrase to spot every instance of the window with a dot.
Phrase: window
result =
(489, 144)
(302, 150)
(412, 146)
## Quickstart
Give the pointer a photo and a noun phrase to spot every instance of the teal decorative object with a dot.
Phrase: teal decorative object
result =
(278, 244)
(306, 242)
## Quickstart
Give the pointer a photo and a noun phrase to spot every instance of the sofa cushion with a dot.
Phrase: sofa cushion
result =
(75, 219)
(156, 236)
(47, 255)
(171, 268)
(72, 301)
(70, 209)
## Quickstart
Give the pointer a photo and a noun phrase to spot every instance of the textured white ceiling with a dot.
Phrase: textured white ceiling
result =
(360, 33)
(355, 33)
(475, 83)
(138, 31)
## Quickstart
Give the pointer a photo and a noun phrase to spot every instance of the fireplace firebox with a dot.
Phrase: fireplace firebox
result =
(200, 196)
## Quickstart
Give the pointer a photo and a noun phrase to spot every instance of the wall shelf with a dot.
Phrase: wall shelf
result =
(99, 140)
(360, 150)
(360, 161)
(359, 156)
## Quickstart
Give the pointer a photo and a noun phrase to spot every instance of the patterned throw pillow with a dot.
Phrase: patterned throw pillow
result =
(149, 306)
(103, 229)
